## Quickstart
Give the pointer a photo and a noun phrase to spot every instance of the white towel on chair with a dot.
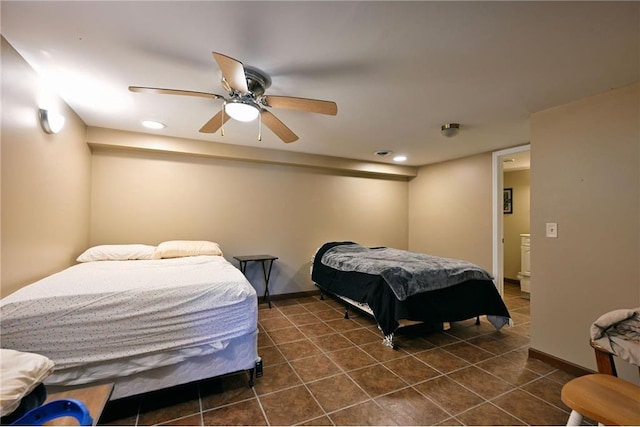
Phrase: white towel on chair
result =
(618, 331)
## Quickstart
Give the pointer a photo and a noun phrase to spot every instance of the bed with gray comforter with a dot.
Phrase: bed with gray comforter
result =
(398, 284)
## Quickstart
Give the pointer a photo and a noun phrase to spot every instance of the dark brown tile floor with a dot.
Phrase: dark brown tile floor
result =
(322, 369)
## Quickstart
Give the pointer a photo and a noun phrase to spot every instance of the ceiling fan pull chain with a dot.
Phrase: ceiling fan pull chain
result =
(222, 124)
(259, 127)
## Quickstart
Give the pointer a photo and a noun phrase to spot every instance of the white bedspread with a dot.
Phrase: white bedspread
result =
(104, 311)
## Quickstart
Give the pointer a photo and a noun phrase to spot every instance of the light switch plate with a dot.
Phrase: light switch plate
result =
(552, 229)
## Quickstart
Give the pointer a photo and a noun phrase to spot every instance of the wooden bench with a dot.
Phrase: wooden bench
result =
(604, 398)
(94, 398)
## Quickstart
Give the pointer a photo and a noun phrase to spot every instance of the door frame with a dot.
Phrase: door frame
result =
(497, 183)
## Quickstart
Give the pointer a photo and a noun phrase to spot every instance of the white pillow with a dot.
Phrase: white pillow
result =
(182, 248)
(21, 373)
(117, 253)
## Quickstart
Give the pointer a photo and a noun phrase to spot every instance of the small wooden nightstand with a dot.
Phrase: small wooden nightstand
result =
(94, 397)
(264, 259)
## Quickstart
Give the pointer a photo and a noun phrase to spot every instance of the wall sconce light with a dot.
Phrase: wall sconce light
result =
(450, 129)
(50, 122)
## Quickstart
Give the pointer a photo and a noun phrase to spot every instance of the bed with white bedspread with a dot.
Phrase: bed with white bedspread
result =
(137, 322)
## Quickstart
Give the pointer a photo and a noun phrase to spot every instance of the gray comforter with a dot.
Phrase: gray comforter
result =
(407, 273)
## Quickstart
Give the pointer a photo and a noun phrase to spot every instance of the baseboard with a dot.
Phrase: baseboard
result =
(556, 362)
(514, 281)
(280, 297)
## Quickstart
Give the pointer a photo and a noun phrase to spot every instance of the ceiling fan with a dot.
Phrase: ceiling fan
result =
(246, 100)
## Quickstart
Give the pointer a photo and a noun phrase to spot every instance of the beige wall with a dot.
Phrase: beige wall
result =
(585, 176)
(450, 210)
(248, 208)
(45, 181)
(516, 223)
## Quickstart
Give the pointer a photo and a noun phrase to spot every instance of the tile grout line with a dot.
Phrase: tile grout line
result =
(370, 397)
(459, 340)
(378, 362)
(296, 372)
(264, 413)
(343, 371)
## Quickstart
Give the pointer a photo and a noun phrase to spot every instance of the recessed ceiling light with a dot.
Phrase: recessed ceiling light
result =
(382, 153)
(400, 158)
(150, 124)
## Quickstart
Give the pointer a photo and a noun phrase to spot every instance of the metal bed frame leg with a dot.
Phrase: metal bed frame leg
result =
(346, 311)
(251, 374)
(255, 371)
(387, 340)
(477, 320)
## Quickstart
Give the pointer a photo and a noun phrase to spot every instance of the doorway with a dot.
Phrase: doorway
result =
(498, 204)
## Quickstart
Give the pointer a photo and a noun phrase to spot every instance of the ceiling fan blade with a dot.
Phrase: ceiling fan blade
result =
(277, 127)
(232, 72)
(302, 104)
(215, 122)
(174, 92)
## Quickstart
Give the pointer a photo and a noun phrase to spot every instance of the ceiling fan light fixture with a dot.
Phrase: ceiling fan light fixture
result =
(241, 111)
(450, 129)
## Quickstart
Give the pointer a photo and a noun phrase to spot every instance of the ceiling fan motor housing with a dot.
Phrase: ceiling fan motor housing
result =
(257, 81)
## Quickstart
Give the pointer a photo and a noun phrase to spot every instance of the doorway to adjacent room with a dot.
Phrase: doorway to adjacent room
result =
(511, 159)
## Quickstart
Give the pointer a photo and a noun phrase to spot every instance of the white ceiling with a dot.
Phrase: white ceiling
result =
(397, 70)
